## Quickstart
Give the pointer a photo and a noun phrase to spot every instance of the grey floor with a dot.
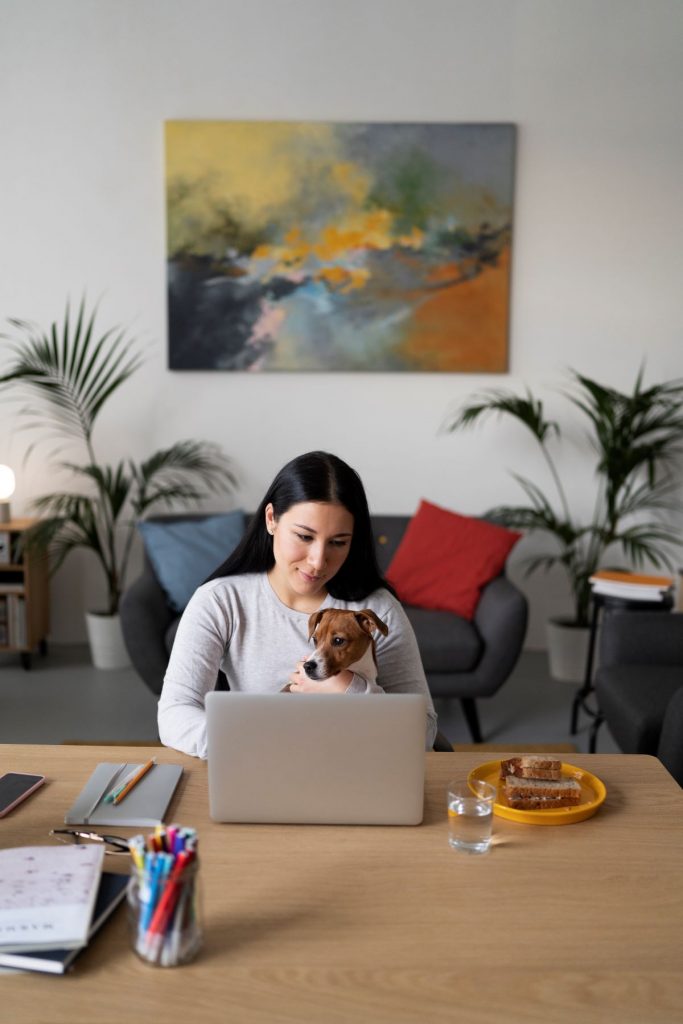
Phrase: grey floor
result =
(62, 697)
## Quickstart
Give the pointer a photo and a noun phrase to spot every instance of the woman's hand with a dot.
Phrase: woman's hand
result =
(300, 683)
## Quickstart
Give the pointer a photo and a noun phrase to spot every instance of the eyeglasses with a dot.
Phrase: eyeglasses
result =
(119, 846)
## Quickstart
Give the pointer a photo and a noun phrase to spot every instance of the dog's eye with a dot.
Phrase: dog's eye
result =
(338, 641)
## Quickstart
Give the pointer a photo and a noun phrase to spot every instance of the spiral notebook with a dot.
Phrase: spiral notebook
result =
(145, 806)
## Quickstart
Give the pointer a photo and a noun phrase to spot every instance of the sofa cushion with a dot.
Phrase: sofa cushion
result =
(447, 642)
(444, 559)
(184, 553)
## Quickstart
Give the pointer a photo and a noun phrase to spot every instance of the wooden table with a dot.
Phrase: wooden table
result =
(580, 923)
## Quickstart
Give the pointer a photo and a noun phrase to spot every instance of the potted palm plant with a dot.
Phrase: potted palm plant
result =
(72, 371)
(635, 438)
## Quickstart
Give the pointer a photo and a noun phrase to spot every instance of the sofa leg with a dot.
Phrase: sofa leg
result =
(469, 710)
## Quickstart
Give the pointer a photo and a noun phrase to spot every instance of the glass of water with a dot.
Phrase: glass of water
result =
(470, 815)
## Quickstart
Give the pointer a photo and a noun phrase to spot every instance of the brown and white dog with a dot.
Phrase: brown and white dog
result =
(343, 640)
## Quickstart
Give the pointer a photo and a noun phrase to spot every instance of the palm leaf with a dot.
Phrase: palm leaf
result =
(528, 411)
(112, 483)
(647, 496)
(68, 521)
(71, 371)
(187, 471)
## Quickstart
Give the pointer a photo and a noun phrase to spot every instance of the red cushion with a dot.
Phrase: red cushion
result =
(445, 559)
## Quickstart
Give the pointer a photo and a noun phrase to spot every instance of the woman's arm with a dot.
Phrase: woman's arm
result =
(196, 657)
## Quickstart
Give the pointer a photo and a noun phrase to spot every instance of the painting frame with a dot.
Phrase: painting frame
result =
(339, 246)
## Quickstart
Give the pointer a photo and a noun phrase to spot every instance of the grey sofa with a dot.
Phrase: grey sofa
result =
(639, 684)
(463, 660)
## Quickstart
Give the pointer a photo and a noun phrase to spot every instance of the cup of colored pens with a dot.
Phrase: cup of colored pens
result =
(163, 900)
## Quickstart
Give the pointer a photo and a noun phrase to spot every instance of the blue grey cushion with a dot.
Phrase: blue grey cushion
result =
(184, 553)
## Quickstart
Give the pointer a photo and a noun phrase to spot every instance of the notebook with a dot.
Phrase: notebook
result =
(144, 807)
(338, 759)
(111, 891)
(47, 895)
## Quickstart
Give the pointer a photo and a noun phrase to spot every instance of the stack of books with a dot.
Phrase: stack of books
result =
(52, 901)
(631, 586)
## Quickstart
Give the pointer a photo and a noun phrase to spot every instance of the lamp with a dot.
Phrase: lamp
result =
(7, 483)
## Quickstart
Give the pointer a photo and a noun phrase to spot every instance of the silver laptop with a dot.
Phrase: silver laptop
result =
(334, 759)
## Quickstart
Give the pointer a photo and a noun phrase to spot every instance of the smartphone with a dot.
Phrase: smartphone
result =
(15, 787)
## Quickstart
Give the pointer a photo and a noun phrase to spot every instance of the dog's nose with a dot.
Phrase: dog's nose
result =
(310, 667)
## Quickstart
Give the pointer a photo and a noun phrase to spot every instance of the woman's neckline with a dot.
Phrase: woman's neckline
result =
(283, 604)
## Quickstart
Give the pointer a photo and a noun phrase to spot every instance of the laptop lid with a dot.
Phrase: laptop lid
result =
(335, 759)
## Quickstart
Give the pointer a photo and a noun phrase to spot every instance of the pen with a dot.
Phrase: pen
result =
(134, 781)
(163, 911)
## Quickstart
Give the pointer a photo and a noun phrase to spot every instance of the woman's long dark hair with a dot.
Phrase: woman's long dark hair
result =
(315, 476)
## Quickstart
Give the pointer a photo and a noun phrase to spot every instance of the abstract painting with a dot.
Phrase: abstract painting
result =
(339, 246)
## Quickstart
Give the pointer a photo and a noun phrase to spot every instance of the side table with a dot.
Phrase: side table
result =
(24, 593)
(608, 604)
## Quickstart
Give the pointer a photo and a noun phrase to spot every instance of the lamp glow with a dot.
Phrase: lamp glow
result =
(7, 484)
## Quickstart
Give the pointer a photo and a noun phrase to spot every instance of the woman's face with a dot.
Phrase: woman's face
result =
(311, 542)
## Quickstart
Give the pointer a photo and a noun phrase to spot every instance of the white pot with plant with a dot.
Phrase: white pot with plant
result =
(71, 373)
(636, 439)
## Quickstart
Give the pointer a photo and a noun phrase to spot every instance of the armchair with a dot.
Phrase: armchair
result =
(639, 684)
(462, 660)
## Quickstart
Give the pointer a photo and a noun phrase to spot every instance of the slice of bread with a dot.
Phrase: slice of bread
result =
(540, 803)
(532, 766)
(530, 794)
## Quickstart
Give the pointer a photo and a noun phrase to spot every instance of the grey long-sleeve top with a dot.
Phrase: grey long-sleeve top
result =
(238, 624)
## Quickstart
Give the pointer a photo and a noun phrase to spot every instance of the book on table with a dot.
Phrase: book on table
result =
(110, 894)
(631, 586)
(47, 895)
(144, 807)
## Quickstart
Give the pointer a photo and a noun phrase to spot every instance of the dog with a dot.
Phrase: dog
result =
(343, 640)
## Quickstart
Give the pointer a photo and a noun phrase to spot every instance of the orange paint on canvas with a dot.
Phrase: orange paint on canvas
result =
(463, 326)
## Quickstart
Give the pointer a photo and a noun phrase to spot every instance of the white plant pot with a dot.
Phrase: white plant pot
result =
(105, 636)
(567, 650)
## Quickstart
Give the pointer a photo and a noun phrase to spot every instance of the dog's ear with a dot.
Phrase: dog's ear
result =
(313, 622)
(370, 622)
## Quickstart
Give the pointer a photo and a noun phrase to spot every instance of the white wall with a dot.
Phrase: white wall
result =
(596, 89)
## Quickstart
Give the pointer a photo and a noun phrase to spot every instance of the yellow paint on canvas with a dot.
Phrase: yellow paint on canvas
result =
(257, 167)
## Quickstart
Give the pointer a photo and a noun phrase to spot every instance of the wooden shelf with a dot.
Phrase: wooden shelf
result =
(24, 605)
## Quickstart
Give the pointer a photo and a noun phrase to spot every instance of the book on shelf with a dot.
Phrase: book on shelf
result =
(631, 586)
(47, 896)
(5, 548)
(110, 894)
(13, 620)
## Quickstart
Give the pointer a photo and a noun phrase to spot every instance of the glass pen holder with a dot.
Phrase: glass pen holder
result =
(165, 918)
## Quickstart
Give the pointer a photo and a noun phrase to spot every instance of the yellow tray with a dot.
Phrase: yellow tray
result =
(593, 794)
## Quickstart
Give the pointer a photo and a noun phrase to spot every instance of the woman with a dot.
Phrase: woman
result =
(308, 546)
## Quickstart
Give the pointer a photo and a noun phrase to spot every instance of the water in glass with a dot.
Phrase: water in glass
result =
(469, 823)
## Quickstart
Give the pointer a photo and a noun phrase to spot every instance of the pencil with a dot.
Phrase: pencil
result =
(134, 781)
